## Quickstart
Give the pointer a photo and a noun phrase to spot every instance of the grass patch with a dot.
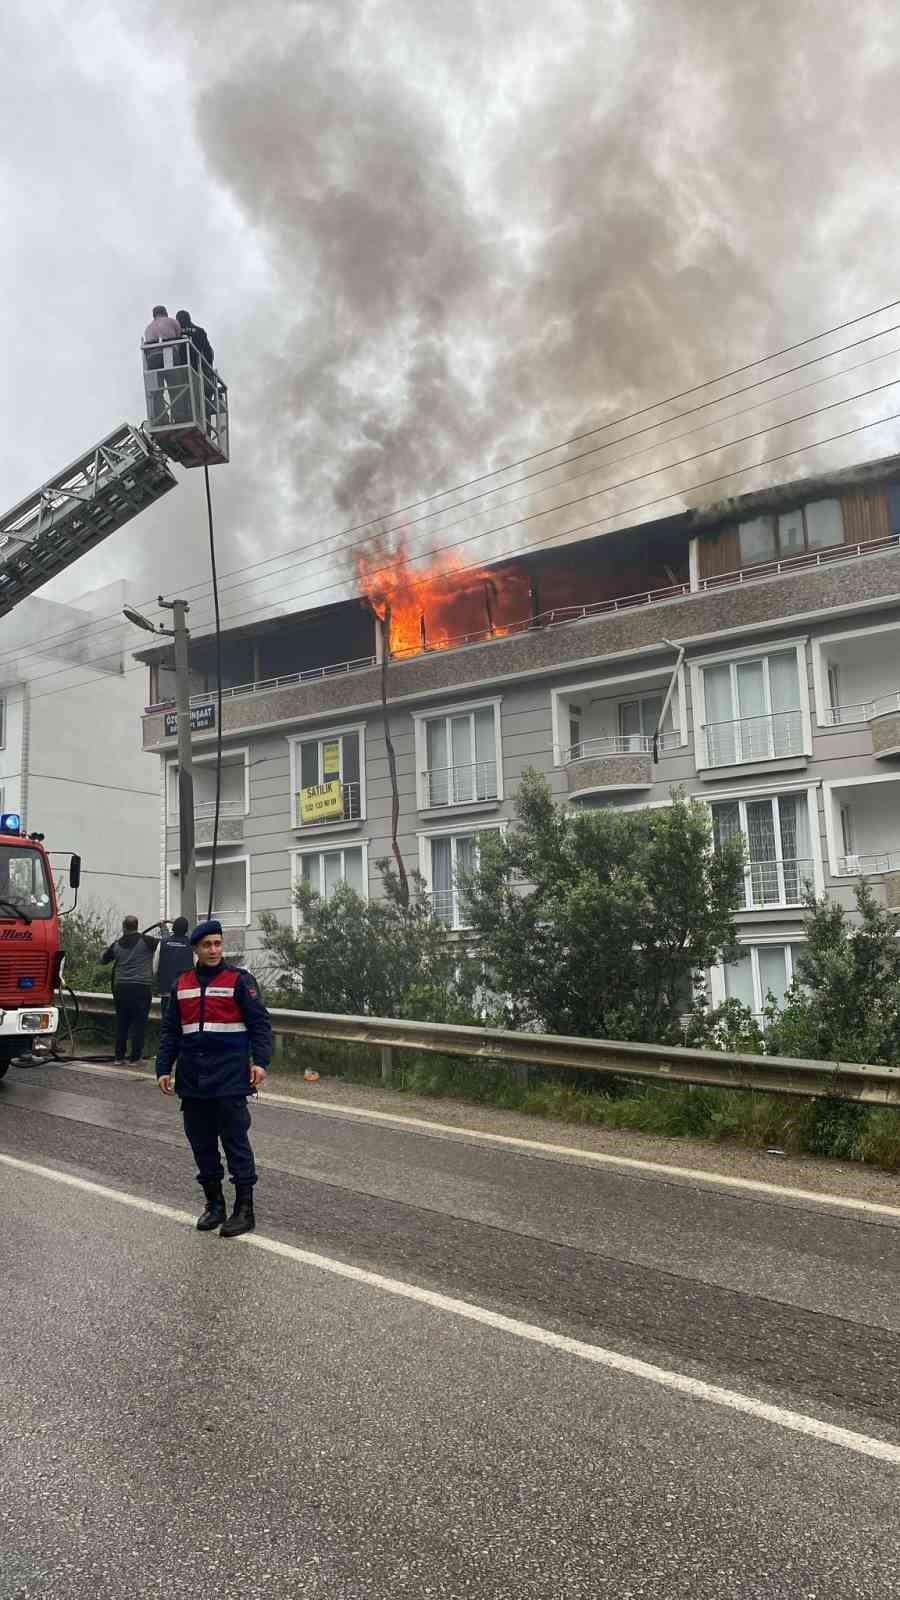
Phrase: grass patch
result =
(830, 1126)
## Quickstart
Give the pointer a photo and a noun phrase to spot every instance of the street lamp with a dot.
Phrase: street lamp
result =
(139, 620)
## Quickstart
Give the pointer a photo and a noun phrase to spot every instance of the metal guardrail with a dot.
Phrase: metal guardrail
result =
(871, 1085)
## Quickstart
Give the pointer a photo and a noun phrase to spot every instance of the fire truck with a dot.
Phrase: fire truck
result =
(31, 958)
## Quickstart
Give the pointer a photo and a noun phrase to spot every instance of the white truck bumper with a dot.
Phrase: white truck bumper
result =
(38, 1022)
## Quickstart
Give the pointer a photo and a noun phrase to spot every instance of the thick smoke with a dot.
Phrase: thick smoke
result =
(489, 226)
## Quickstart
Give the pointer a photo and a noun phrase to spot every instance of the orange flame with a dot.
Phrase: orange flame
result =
(444, 602)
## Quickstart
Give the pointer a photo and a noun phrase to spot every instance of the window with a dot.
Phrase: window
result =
(752, 709)
(232, 898)
(777, 838)
(448, 856)
(460, 756)
(816, 526)
(761, 969)
(328, 779)
(639, 720)
(574, 751)
(323, 870)
(233, 795)
(23, 883)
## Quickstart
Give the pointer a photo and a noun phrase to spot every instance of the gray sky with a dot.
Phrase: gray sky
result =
(427, 238)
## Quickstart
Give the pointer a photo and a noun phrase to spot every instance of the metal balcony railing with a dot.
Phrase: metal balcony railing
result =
(753, 738)
(619, 744)
(863, 710)
(454, 786)
(864, 862)
(227, 808)
(776, 883)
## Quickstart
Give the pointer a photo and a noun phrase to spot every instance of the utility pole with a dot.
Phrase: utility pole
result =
(186, 856)
(179, 633)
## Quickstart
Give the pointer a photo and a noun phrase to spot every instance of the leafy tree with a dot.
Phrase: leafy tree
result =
(597, 923)
(385, 957)
(84, 935)
(844, 1004)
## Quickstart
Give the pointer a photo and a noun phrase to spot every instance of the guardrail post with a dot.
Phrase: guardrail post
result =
(387, 1063)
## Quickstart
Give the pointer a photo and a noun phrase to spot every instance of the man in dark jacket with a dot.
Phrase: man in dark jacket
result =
(199, 343)
(176, 955)
(217, 1037)
(132, 986)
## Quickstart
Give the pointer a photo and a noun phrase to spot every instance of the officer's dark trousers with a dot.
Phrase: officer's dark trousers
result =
(206, 1122)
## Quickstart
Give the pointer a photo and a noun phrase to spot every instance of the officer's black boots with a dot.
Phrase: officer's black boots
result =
(214, 1215)
(242, 1219)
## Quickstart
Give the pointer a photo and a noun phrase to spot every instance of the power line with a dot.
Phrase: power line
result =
(627, 511)
(550, 449)
(574, 477)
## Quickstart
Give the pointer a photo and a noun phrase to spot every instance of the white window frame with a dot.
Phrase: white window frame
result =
(173, 874)
(833, 821)
(734, 658)
(206, 761)
(772, 791)
(319, 850)
(718, 993)
(2, 721)
(295, 740)
(634, 685)
(442, 714)
(820, 665)
(424, 839)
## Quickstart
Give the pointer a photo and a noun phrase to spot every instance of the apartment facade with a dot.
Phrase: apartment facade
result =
(69, 761)
(771, 645)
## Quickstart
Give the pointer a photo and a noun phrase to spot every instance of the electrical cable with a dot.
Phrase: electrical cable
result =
(594, 522)
(410, 558)
(215, 591)
(304, 550)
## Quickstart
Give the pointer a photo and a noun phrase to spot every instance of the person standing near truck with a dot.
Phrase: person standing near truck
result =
(132, 987)
(176, 955)
(214, 1049)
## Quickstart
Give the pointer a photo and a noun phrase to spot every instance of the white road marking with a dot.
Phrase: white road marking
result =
(792, 1421)
(597, 1157)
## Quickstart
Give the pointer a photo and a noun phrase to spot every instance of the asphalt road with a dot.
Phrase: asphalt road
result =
(184, 1416)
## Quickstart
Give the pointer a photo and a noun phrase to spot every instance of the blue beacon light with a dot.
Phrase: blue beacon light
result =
(10, 822)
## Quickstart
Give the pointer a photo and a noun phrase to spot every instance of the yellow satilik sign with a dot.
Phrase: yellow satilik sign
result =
(322, 801)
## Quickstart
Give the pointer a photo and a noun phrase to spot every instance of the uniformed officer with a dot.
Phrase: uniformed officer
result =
(217, 1036)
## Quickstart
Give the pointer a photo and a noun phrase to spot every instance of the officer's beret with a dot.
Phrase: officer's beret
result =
(212, 925)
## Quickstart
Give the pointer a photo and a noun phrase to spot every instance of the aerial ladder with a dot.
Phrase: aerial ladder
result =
(117, 479)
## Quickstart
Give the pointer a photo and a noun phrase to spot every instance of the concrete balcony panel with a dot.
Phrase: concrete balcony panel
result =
(885, 728)
(892, 890)
(231, 830)
(756, 605)
(619, 771)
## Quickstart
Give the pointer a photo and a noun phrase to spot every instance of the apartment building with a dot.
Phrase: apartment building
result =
(69, 761)
(773, 619)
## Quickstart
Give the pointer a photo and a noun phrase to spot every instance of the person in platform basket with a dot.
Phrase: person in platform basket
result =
(214, 1048)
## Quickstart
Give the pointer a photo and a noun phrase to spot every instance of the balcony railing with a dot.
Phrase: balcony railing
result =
(867, 862)
(446, 907)
(776, 883)
(754, 738)
(864, 710)
(619, 744)
(454, 786)
(352, 809)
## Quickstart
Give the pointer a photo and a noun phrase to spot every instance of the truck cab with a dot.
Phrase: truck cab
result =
(30, 955)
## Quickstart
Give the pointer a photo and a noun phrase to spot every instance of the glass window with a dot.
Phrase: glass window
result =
(776, 831)
(756, 540)
(739, 981)
(760, 970)
(330, 781)
(824, 524)
(451, 855)
(461, 752)
(753, 709)
(790, 532)
(323, 870)
(231, 892)
(24, 885)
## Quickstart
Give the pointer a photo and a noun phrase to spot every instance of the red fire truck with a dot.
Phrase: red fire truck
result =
(30, 955)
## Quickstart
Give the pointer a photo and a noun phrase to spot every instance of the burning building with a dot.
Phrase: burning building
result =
(745, 652)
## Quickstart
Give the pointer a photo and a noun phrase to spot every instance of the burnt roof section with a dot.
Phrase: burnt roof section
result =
(694, 519)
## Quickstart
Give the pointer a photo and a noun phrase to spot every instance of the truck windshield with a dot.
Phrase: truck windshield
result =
(24, 883)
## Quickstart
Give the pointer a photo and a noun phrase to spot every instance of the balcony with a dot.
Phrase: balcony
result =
(459, 786)
(763, 738)
(231, 821)
(776, 883)
(446, 907)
